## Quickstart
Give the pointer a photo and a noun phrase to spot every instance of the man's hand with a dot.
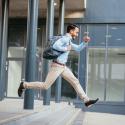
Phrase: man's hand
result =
(86, 39)
(69, 47)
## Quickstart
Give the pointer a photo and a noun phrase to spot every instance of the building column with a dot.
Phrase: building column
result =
(31, 51)
(82, 72)
(1, 85)
(82, 67)
(60, 31)
(49, 33)
(4, 12)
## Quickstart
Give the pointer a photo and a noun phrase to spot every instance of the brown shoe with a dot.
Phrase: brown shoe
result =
(20, 89)
(91, 102)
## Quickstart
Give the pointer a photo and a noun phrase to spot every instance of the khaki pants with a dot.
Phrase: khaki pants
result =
(54, 72)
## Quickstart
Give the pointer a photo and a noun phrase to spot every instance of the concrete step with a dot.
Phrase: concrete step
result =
(58, 114)
(25, 118)
(62, 117)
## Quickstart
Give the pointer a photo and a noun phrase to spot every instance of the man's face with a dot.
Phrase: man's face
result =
(74, 33)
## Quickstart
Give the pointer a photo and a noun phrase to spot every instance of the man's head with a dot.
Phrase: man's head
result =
(73, 30)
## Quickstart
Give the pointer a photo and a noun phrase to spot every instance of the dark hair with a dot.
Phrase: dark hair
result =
(71, 27)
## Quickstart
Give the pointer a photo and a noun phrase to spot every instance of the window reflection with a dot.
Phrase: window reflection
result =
(96, 79)
(116, 75)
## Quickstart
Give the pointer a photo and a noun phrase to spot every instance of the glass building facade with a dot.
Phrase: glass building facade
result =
(105, 66)
(106, 62)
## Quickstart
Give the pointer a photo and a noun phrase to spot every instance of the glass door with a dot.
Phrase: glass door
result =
(14, 77)
(115, 88)
(96, 62)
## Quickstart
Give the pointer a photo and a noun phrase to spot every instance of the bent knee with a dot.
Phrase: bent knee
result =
(46, 87)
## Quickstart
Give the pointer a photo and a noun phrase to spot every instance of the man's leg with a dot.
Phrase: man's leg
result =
(69, 76)
(54, 72)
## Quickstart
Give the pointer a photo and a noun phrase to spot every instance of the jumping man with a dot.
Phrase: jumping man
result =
(58, 66)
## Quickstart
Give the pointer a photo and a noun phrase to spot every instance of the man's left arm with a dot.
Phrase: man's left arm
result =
(79, 47)
(82, 45)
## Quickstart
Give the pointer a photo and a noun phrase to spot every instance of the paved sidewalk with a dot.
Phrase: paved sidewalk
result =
(12, 113)
(93, 118)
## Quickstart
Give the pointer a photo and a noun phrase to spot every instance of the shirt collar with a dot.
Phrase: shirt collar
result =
(67, 34)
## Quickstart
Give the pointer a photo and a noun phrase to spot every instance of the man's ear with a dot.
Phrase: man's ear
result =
(71, 31)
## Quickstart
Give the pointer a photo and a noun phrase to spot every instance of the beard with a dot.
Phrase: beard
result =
(73, 37)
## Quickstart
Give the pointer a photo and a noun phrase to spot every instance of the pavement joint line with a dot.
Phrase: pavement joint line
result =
(71, 110)
(73, 117)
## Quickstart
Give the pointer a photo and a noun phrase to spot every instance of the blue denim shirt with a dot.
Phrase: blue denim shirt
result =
(62, 44)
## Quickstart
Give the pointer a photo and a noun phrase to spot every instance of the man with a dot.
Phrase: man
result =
(58, 66)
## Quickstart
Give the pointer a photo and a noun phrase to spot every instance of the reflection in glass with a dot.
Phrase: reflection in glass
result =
(116, 75)
(96, 79)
